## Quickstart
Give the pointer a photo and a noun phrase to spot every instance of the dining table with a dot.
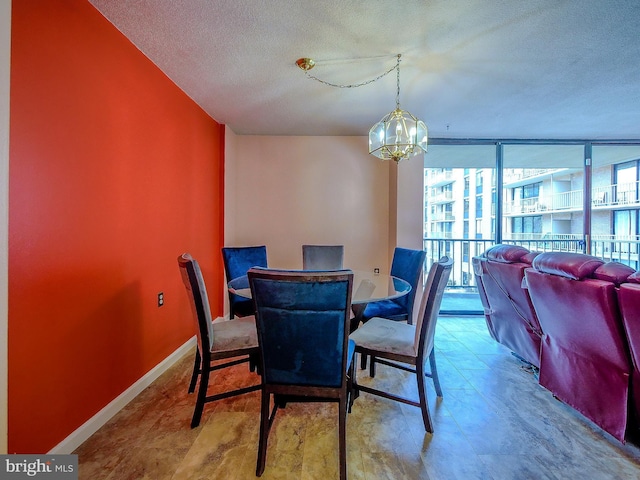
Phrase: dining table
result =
(367, 287)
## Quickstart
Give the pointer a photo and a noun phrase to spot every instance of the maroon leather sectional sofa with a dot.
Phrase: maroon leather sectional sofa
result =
(582, 315)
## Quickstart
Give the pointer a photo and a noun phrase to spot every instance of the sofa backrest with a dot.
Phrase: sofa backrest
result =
(629, 301)
(584, 356)
(510, 315)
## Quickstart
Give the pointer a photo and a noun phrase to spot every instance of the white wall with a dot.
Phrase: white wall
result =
(410, 203)
(229, 187)
(287, 191)
(5, 51)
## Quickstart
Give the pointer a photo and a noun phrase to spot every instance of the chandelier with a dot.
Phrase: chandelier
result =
(399, 135)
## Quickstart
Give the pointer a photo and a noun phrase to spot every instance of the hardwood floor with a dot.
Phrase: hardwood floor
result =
(494, 422)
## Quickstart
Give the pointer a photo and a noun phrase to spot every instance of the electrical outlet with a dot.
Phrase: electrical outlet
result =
(160, 299)
(376, 271)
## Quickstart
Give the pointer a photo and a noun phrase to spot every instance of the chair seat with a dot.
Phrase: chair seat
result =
(234, 334)
(386, 336)
(386, 309)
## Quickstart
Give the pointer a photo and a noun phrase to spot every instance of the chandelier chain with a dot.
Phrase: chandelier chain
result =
(362, 84)
(398, 84)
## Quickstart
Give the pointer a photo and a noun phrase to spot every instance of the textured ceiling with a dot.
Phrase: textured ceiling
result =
(552, 69)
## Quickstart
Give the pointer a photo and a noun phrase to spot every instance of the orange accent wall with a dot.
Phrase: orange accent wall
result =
(114, 172)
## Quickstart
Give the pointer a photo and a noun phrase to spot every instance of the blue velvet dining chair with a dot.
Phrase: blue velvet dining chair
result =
(408, 265)
(302, 320)
(237, 262)
(322, 257)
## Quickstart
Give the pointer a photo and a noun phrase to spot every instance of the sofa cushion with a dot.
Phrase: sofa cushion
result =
(506, 253)
(634, 278)
(528, 258)
(565, 264)
(614, 272)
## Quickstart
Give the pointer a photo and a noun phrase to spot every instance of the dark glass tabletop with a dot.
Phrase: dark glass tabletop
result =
(367, 287)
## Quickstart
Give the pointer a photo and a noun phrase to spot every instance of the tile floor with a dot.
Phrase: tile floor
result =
(494, 422)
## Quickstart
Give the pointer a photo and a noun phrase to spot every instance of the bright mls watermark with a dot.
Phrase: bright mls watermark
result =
(50, 467)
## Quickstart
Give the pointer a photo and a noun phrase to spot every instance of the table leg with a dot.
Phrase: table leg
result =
(358, 311)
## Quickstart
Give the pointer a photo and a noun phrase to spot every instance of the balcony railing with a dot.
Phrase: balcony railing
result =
(607, 196)
(442, 217)
(441, 177)
(462, 281)
(512, 176)
(439, 196)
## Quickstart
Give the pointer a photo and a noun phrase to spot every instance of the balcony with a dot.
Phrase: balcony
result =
(518, 176)
(441, 197)
(440, 178)
(442, 217)
(620, 195)
(604, 197)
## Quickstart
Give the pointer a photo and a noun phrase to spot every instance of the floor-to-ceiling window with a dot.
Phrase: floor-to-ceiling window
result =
(543, 196)
(615, 203)
(553, 195)
(459, 214)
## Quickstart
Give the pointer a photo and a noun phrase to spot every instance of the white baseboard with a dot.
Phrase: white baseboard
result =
(91, 426)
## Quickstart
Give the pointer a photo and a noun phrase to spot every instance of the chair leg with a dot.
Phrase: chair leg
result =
(351, 384)
(372, 366)
(264, 433)
(202, 396)
(253, 363)
(363, 361)
(434, 373)
(231, 302)
(196, 371)
(422, 395)
(342, 432)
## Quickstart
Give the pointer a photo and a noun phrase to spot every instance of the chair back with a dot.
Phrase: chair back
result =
(238, 260)
(199, 301)
(430, 305)
(408, 264)
(322, 257)
(302, 320)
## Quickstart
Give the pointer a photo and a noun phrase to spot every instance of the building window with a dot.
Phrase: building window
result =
(527, 224)
(626, 182)
(526, 191)
(479, 206)
(625, 223)
(531, 191)
(479, 181)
